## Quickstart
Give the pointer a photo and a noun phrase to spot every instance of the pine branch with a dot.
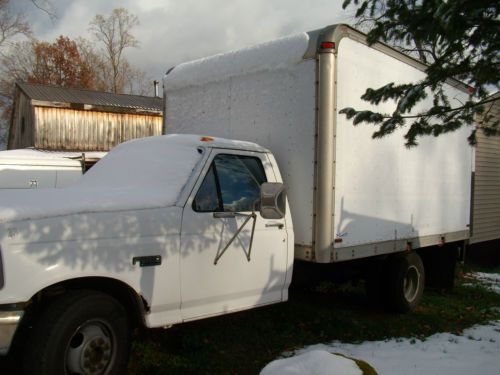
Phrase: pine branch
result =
(460, 38)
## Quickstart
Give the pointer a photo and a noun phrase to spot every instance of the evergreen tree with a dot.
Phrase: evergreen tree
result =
(457, 39)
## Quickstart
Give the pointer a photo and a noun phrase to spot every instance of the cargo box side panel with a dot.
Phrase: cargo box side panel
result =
(199, 109)
(384, 191)
(272, 107)
(282, 118)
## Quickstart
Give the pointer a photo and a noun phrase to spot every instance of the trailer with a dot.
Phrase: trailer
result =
(354, 200)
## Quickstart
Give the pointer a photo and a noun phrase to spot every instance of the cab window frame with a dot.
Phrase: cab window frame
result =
(213, 169)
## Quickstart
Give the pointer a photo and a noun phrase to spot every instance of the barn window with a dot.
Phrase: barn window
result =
(23, 125)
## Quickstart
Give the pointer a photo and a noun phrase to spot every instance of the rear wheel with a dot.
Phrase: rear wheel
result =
(405, 282)
(82, 333)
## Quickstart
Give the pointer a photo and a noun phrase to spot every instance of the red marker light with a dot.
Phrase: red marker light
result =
(327, 45)
(206, 139)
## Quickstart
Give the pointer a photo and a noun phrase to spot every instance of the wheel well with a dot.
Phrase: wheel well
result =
(135, 305)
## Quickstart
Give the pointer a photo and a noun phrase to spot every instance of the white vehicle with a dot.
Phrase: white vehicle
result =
(170, 229)
(30, 168)
(161, 231)
(355, 201)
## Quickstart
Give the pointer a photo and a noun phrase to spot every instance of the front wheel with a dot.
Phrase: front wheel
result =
(82, 333)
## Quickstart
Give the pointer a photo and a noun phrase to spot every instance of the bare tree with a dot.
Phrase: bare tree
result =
(95, 60)
(135, 81)
(114, 32)
(47, 7)
(16, 64)
(11, 25)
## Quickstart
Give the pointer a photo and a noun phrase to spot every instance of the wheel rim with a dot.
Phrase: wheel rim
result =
(90, 349)
(411, 283)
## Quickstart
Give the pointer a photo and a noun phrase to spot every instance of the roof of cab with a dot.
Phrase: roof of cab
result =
(203, 141)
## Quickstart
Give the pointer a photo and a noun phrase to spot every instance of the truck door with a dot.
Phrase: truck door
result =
(216, 278)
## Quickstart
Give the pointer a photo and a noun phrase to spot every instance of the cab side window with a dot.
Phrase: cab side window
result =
(232, 184)
(207, 198)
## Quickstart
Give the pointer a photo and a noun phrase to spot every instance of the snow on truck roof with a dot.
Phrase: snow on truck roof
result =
(273, 55)
(143, 173)
(154, 160)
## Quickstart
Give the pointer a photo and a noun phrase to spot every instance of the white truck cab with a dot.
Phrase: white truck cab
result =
(161, 231)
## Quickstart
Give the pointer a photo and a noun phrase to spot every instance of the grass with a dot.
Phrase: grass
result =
(244, 343)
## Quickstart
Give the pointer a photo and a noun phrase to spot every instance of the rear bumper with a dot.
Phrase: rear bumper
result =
(9, 321)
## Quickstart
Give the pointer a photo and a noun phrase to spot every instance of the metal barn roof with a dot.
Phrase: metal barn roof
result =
(57, 94)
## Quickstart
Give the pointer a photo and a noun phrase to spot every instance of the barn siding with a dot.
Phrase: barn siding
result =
(69, 129)
(21, 138)
(486, 205)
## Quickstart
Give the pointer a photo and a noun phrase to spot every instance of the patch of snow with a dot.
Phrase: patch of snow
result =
(474, 352)
(162, 163)
(314, 362)
(277, 54)
(489, 280)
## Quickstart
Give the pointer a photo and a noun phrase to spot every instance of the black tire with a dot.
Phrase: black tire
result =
(405, 280)
(83, 332)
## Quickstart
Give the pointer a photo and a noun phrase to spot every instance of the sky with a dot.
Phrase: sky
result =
(171, 32)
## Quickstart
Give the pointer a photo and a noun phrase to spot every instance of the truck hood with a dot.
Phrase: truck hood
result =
(139, 174)
(24, 204)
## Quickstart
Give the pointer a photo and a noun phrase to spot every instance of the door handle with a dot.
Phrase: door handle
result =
(147, 261)
(279, 225)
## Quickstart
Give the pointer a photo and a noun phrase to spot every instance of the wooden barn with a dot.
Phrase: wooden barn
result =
(60, 118)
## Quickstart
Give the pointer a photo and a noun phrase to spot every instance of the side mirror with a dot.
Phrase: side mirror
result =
(272, 200)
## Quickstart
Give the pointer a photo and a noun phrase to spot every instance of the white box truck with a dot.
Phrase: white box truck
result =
(176, 228)
(354, 200)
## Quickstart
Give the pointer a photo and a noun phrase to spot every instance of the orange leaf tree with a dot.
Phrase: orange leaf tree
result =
(60, 64)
